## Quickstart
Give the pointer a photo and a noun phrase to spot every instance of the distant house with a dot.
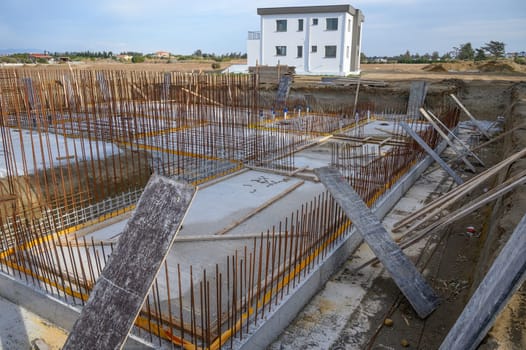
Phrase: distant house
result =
(36, 57)
(162, 54)
(314, 39)
(124, 57)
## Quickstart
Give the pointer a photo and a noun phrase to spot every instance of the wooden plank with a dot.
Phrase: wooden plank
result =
(432, 153)
(505, 276)
(446, 138)
(462, 143)
(114, 303)
(355, 106)
(459, 191)
(466, 209)
(404, 273)
(501, 136)
(417, 96)
(475, 121)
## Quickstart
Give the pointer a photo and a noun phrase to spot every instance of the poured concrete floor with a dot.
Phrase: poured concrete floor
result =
(21, 329)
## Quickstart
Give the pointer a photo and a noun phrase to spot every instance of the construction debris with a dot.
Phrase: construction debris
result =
(505, 276)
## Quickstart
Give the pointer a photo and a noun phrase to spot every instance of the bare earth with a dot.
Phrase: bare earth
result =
(462, 71)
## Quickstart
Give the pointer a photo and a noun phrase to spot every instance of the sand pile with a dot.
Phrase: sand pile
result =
(500, 66)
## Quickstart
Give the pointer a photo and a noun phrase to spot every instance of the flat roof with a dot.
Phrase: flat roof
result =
(306, 9)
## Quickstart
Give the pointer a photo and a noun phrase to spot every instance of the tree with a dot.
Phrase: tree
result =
(446, 57)
(198, 53)
(138, 59)
(363, 58)
(406, 57)
(435, 56)
(465, 52)
(495, 48)
(480, 55)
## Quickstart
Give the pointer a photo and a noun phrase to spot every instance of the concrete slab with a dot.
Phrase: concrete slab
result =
(19, 329)
(217, 206)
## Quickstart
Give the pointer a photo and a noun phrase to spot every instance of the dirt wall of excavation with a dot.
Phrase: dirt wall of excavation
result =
(509, 331)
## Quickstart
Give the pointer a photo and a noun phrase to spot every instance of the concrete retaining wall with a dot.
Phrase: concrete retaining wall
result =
(285, 313)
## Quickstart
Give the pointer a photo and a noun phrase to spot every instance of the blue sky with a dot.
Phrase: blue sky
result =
(221, 26)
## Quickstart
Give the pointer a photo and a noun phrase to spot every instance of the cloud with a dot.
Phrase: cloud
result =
(512, 31)
(130, 9)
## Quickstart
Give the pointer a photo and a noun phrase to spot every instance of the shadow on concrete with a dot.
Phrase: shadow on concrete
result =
(13, 332)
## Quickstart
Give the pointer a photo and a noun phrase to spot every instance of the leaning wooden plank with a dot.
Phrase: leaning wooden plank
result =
(446, 138)
(475, 121)
(432, 153)
(459, 191)
(499, 137)
(473, 205)
(461, 143)
(116, 299)
(495, 139)
(505, 276)
(404, 273)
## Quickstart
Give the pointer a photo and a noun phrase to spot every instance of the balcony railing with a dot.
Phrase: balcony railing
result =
(254, 35)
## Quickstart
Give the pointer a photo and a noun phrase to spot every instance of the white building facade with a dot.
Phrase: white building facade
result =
(315, 39)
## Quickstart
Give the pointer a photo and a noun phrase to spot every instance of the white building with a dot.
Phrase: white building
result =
(314, 39)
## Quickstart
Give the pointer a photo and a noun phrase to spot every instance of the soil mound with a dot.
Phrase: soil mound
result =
(435, 67)
(451, 67)
(497, 67)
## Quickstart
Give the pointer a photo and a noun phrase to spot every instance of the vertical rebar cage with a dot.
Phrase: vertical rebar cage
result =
(78, 146)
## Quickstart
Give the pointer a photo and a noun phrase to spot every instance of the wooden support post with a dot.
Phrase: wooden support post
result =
(432, 153)
(505, 276)
(116, 299)
(475, 121)
(355, 106)
(446, 138)
(404, 273)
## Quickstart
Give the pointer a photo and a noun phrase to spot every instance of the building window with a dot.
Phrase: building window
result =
(314, 21)
(348, 52)
(300, 51)
(332, 23)
(330, 51)
(281, 51)
(281, 25)
(348, 25)
(300, 25)
(314, 49)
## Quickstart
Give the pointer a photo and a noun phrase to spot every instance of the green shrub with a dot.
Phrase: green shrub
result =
(138, 59)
